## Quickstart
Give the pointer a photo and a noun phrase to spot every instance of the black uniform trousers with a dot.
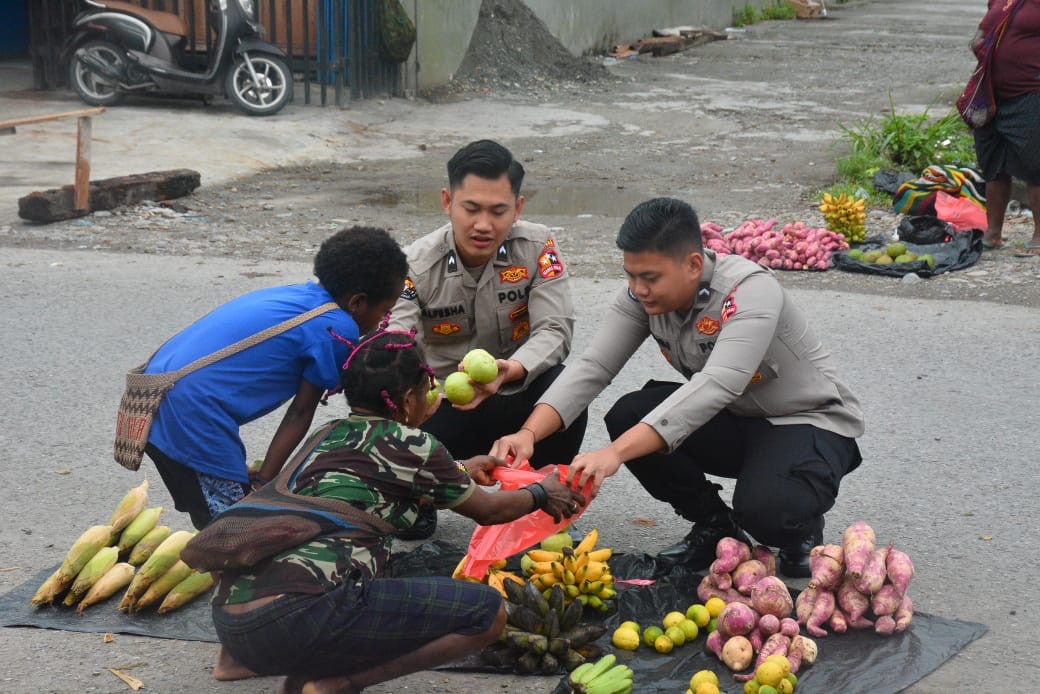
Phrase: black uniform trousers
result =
(472, 432)
(787, 475)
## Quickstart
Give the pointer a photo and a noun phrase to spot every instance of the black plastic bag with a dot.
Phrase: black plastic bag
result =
(924, 235)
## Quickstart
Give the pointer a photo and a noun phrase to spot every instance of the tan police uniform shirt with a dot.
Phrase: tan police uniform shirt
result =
(518, 307)
(744, 346)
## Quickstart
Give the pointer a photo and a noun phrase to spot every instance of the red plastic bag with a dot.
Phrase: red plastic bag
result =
(962, 213)
(490, 543)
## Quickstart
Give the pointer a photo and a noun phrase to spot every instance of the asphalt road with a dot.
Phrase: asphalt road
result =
(949, 397)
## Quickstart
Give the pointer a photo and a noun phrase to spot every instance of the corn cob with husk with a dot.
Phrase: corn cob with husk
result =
(187, 590)
(98, 565)
(147, 544)
(163, 585)
(50, 589)
(131, 505)
(138, 528)
(164, 557)
(116, 578)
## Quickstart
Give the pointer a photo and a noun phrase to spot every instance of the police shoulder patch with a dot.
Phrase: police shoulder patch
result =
(729, 307)
(409, 292)
(550, 263)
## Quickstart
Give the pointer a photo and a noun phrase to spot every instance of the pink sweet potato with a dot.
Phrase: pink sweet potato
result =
(821, 612)
(794, 654)
(730, 553)
(775, 644)
(766, 556)
(857, 543)
(825, 562)
(803, 604)
(720, 579)
(789, 627)
(768, 624)
(885, 601)
(757, 639)
(837, 621)
(770, 596)
(874, 573)
(736, 619)
(714, 643)
(900, 570)
(747, 575)
(852, 602)
(707, 590)
(904, 614)
(885, 625)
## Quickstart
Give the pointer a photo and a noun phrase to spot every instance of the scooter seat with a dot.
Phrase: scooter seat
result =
(166, 22)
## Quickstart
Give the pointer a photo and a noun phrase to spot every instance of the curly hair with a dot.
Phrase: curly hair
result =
(382, 369)
(361, 260)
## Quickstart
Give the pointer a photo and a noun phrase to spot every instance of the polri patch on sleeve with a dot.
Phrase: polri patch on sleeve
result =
(409, 291)
(550, 264)
(729, 307)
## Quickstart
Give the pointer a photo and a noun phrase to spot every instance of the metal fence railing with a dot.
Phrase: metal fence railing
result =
(333, 45)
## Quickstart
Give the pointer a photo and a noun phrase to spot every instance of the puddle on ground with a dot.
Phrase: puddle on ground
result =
(556, 201)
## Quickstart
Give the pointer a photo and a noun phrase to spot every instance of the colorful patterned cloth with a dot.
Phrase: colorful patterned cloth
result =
(918, 197)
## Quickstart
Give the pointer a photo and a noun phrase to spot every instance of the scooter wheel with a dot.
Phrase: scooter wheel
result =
(265, 95)
(93, 88)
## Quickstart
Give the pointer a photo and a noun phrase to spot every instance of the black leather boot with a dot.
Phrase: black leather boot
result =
(424, 527)
(696, 551)
(794, 559)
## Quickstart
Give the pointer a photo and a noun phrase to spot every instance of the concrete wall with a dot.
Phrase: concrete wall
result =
(583, 26)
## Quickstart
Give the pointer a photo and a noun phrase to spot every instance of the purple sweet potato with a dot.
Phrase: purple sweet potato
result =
(794, 654)
(885, 625)
(757, 639)
(852, 602)
(900, 570)
(736, 619)
(766, 556)
(730, 553)
(825, 562)
(747, 575)
(770, 596)
(804, 603)
(707, 589)
(714, 643)
(885, 601)
(722, 580)
(874, 573)
(904, 614)
(789, 627)
(857, 543)
(775, 644)
(768, 624)
(821, 612)
(837, 621)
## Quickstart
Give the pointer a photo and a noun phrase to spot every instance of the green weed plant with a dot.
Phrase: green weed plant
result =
(748, 14)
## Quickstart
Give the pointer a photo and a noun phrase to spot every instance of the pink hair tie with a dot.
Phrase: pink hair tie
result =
(389, 402)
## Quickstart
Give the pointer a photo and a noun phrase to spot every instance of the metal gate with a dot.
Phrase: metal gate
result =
(333, 45)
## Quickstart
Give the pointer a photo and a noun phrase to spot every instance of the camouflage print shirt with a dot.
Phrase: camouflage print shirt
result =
(389, 469)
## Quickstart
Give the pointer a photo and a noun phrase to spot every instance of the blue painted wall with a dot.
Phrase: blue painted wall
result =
(14, 28)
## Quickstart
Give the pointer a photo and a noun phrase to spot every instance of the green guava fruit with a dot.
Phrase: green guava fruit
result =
(855, 253)
(480, 366)
(458, 389)
(895, 250)
(431, 394)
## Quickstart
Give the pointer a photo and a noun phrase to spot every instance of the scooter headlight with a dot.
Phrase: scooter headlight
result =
(249, 7)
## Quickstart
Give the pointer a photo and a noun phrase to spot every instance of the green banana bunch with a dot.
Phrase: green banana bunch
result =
(605, 676)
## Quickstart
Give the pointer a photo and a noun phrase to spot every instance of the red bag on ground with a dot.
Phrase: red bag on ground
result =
(490, 543)
(962, 213)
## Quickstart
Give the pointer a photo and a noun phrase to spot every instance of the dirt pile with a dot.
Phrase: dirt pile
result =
(512, 49)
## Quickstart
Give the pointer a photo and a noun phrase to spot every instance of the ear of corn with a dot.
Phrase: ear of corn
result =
(164, 556)
(99, 564)
(163, 585)
(131, 505)
(138, 528)
(147, 544)
(116, 578)
(187, 590)
(49, 591)
(83, 550)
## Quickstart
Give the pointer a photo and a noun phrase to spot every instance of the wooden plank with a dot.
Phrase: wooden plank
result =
(58, 203)
(81, 188)
(30, 120)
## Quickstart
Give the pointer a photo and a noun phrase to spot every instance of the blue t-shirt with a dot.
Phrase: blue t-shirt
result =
(198, 420)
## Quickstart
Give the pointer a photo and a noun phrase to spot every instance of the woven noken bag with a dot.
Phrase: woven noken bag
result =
(145, 392)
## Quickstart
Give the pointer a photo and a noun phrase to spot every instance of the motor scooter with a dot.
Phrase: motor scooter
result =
(118, 48)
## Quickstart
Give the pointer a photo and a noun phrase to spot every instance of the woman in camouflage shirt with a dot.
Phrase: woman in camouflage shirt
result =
(324, 613)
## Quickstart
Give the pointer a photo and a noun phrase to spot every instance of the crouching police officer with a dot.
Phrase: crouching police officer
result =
(488, 280)
(761, 401)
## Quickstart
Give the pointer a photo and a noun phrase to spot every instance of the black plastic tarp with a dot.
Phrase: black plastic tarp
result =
(854, 661)
(922, 234)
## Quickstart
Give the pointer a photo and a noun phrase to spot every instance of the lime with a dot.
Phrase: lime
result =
(629, 625)
(663, 644)
(689, 628)
(715, 606)
(626, 639)
(651, 634)
(676, 635)
(751, 687)
(703, 676)
(699, 614)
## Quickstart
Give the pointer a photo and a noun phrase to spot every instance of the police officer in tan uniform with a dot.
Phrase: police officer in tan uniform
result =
(761, 401)
(488, 280)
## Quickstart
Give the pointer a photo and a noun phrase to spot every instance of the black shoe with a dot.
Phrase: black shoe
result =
(794, 560)
(424, 527)
(697, 550)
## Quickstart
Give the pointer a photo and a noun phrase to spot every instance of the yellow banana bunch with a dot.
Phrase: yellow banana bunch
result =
(581, 571)
(845, 215)
(496, 575)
